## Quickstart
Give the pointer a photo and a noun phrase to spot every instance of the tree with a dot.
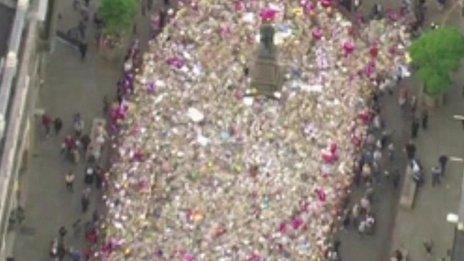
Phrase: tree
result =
(118, 16)
(436, 54)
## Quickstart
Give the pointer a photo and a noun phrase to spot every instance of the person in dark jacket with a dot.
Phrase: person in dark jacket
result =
(85, 200)
(89, 175)
(85, 141)
(410, 149)
(57, 125)
(83, 50)
(443, 160)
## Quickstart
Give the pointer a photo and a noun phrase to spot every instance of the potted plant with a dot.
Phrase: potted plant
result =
(436, 54)
(118, 18)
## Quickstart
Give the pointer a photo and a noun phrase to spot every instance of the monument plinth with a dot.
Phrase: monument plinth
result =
(266, 76)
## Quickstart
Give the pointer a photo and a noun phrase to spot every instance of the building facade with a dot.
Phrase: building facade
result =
(25, 51)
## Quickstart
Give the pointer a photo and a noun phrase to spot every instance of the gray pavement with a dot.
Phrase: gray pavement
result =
(70, 85)
(397, 228)
(427, 220)
(355, 247)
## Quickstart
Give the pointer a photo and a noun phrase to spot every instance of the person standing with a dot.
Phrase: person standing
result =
(85, 200)
(391, 151)
(62, 232)
(425, 119)
(83, 50)
(397, 255)
(85, 141)
(396, 178)
(436, 173)
(162, 18)
(57, 125)
(61, 250)
(69, 180)
(410, 149)
(78, 124)
(89, 175)
(428, 245)
(413, 104)
(98, 177)
(47, 123)
(443, 160)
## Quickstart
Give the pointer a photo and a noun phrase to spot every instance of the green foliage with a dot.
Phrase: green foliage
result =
(118, 15)
(437, 53)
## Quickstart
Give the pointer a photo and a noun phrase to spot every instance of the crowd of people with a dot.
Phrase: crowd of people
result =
(203, 171)
(74, 148)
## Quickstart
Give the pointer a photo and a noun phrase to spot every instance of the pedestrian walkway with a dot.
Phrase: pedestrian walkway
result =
(404, 228)
(427, 220)
(385, 198)
(70, 85)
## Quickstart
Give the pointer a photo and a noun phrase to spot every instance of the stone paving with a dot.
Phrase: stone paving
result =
(70, 85)
(408, 229)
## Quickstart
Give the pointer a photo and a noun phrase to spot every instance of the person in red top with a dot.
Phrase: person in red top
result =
(70, 142)
(47, 123)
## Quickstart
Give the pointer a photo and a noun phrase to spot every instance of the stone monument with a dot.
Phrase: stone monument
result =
(266, 76)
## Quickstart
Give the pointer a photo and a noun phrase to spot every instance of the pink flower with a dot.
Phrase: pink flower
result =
(225, 32)
(297, 222)
(307, 6)
(317, 33)
(268, 14)
(176, 62)
(348, 48)
(188, 257)
(326, 3)
(255, 257)
(370, 69)
(321, 195)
